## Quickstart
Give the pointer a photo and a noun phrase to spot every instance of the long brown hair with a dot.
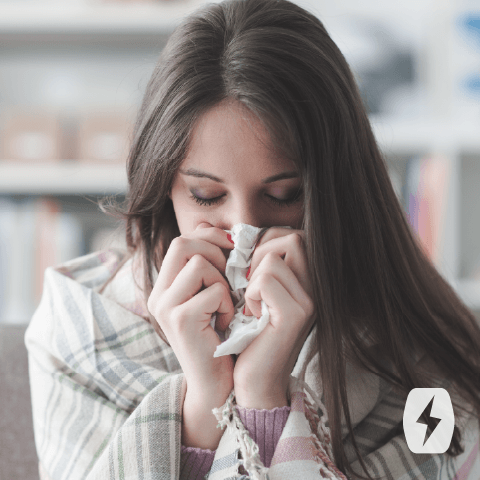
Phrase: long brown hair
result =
(372, 280)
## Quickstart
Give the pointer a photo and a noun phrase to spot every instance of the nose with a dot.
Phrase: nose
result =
(248, 214)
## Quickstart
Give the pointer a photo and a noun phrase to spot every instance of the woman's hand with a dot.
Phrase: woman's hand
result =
(191, 286)
(278, 276)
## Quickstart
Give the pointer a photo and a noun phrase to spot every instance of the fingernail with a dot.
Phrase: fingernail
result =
(248, 271)
(230, 238)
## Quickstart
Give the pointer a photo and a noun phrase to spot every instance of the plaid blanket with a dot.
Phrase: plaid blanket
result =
(107, 395)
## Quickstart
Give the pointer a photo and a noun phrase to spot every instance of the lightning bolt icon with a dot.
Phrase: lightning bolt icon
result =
(435, 420)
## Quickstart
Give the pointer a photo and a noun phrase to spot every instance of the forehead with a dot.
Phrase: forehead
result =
(228, 135)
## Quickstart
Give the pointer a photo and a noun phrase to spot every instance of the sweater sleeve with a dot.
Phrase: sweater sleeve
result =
(195, 463)
(264, 427)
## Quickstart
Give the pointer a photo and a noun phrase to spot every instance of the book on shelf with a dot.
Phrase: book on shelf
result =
(34, 234)
(425, 195)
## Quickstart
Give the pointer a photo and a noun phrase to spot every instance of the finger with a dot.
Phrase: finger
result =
(198, 274)
(215, 298)
(276, 232)
(290, 247)
(288, 322)
(189, 323)
(281, 305)
(207, 242)
(215, 235)
(203, 225)
(273, 265)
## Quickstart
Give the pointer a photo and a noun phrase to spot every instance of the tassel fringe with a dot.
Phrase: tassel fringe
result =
(321, 437)
(227, 416)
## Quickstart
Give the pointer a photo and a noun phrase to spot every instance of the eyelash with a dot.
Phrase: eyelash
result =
(282, 203)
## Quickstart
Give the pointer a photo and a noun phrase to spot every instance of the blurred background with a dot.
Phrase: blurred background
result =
(73, 73)
(72, 76)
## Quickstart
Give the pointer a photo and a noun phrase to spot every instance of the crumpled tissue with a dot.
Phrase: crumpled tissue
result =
(243, 329)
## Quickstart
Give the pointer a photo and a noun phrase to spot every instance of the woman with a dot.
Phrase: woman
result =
(252, 116)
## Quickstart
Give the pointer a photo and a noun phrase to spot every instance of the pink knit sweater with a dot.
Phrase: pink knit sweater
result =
(265, 428)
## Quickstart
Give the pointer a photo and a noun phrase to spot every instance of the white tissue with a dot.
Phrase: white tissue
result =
(243, 329)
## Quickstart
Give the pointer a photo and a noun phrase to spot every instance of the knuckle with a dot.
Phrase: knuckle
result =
(179, 243)
(270, 258)
(197, 260)
(150, 304)
(299, 313)
(179, 318)
(296, 238)
(158, 313)
(263, 277)
(309, 307)
(220, 289)
(220, 286)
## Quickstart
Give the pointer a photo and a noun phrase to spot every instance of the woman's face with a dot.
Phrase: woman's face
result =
(233, 172)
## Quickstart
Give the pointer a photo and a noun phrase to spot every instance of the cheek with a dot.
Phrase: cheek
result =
(294, 220)
(188, 216)
(188, 219)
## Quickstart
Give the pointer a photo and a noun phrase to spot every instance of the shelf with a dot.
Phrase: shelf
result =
(63, 18)
(419, 134)
(61, 178)
(397, 136)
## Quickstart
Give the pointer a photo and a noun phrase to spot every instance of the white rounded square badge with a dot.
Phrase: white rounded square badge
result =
(437, 404)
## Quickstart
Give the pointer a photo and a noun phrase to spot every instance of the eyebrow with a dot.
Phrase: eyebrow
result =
(193, 172)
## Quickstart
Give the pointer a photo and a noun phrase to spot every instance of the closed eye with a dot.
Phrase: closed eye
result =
(287, 201)
(205, 201)
(277, 201)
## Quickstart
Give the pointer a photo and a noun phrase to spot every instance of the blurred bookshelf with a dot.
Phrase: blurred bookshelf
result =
(64, 18)
(62, 178)
(72, 76)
